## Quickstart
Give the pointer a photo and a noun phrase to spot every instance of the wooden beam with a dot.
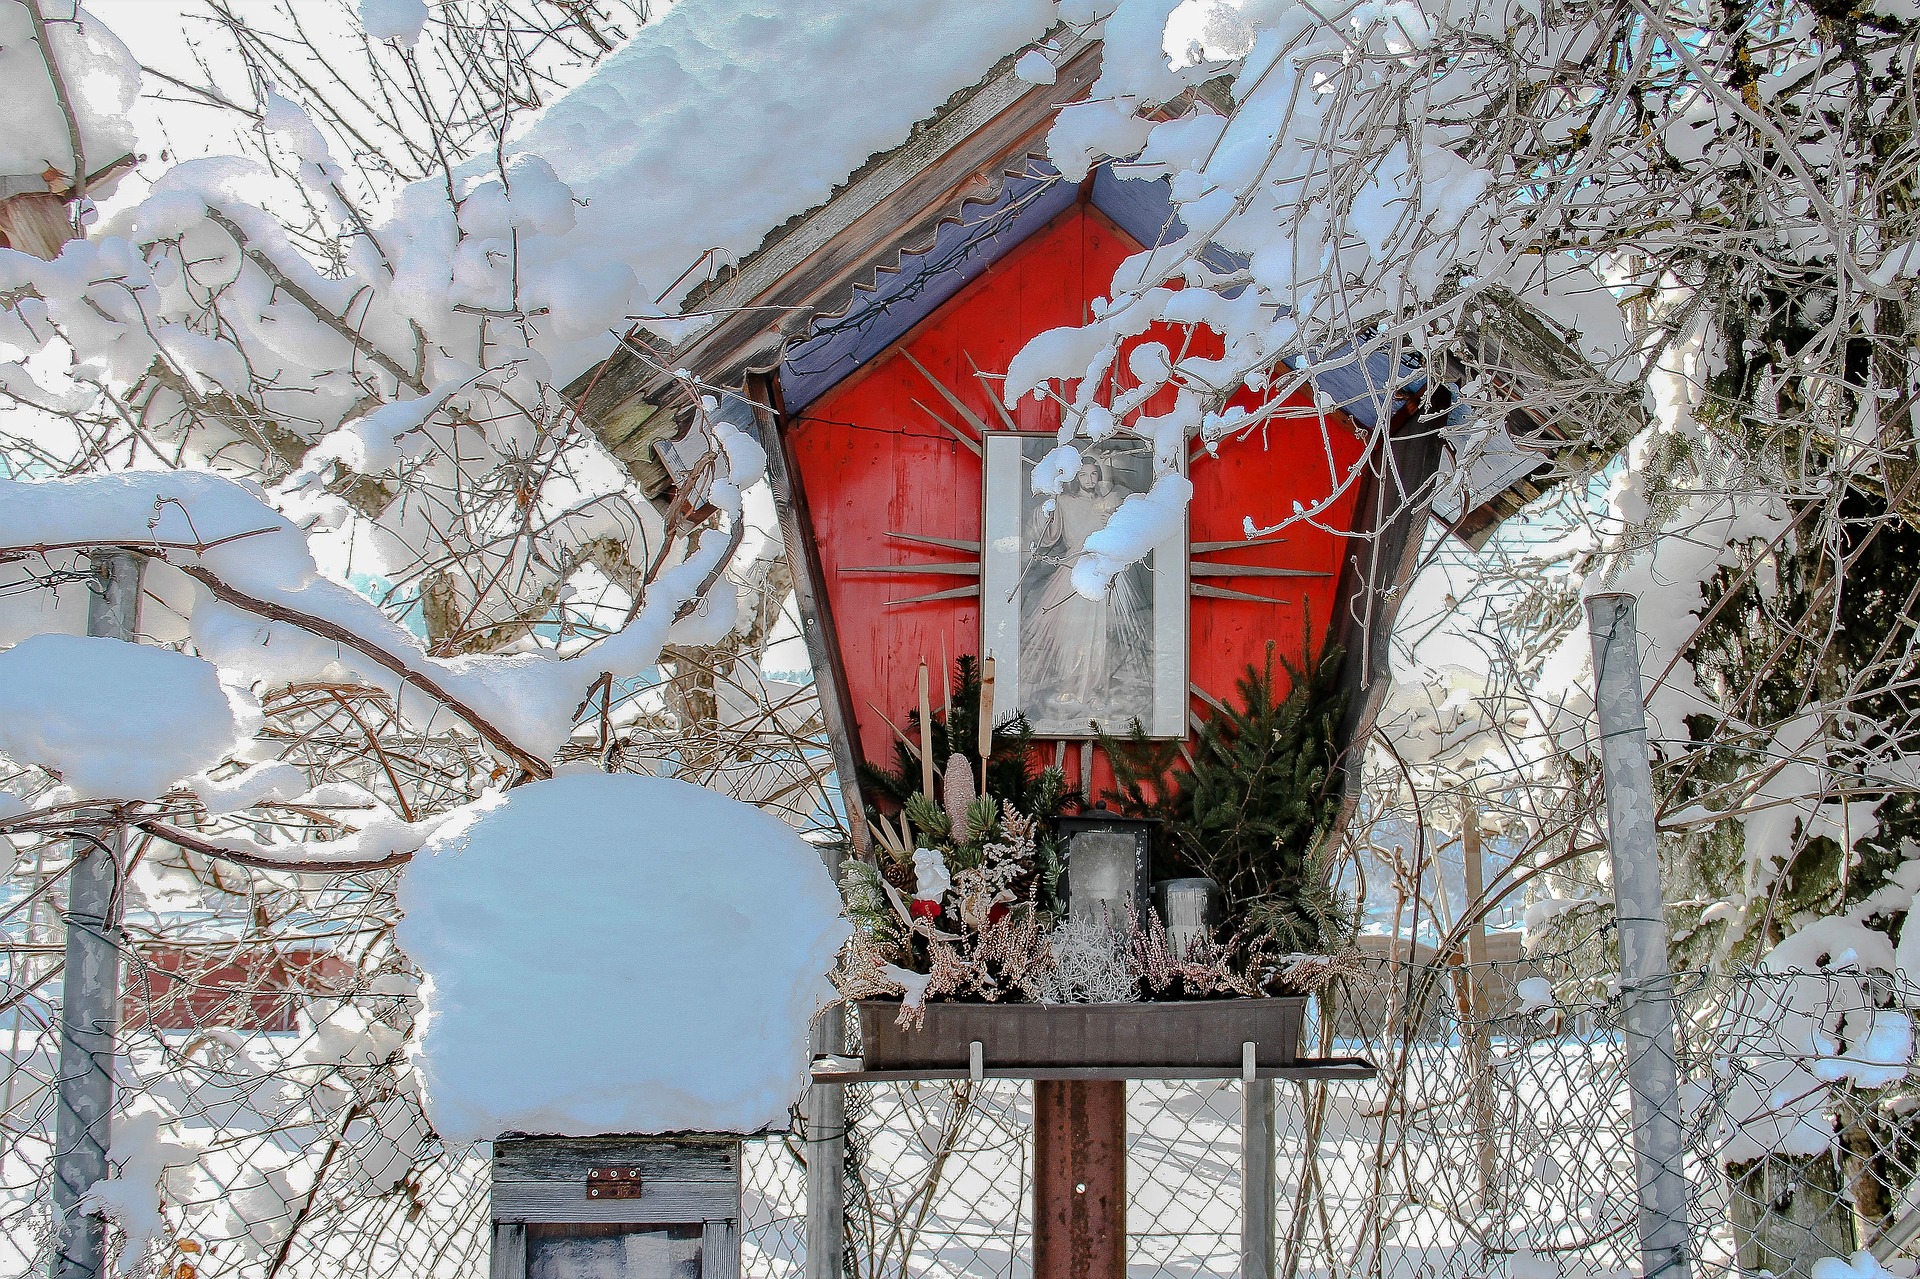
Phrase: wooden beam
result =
(1208, 698)
(954, 431)
(951, 543)
(893, 206)
(1390, 518)
(1208, 548)
(817, 263)
(1000, 410)
(957, 593)
(973, 419)
(816, 611)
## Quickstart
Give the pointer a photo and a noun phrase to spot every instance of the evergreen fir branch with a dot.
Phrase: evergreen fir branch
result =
(1254, 807)
(867, 904)
(929, 820)
(981, 816)
(1142, 772)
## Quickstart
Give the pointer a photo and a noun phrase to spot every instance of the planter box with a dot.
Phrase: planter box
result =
(1199, 1033)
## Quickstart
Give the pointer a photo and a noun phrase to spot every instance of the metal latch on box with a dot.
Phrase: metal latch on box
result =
(613, 1183)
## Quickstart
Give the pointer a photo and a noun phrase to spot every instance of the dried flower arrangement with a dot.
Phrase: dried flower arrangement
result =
(961, 902)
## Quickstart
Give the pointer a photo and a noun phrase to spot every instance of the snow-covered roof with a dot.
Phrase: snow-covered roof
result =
(817, 150)
(722, 119)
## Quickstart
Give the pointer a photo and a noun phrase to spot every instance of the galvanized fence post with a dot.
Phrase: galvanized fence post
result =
(1258, 1192)
(826, 1151)
(90, 983)
(1646, 984)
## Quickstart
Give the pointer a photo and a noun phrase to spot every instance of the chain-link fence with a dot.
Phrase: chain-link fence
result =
(269, 1123)
(1496, 1139)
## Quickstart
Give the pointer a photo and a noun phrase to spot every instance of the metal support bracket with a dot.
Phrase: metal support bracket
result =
(613, 1183)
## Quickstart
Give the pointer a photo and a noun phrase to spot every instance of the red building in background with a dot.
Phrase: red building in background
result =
(238, 986)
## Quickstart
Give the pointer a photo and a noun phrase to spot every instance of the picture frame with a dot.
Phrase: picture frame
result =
(1077, 667)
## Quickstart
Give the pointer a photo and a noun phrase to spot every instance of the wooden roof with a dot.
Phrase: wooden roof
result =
(835, 286)
(913, 225)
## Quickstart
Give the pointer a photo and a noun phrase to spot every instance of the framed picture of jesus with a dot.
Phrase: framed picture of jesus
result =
(1076, 666)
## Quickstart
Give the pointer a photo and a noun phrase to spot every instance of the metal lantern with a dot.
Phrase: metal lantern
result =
(1191, 910)
(1109, 859)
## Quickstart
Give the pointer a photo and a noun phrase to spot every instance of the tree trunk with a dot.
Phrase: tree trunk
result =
(1864, 1137)
(35, 222)
(1789, 1211)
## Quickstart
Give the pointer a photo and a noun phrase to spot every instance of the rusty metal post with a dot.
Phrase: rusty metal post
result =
(1079, 1179)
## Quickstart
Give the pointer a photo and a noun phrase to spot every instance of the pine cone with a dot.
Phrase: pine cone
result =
(900, 875)
(959, 794)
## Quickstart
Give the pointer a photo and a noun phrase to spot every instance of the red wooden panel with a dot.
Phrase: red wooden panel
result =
(1301, 458)
(874, 461)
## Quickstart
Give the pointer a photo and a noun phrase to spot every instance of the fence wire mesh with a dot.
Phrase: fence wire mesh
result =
(270, 1123)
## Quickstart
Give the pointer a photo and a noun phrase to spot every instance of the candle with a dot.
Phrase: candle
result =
(986, 718)
(926, 735)
(946, 684)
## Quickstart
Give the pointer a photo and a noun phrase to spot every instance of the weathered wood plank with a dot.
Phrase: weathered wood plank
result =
(898, 199)
(509, 1259)
(957, 593)
(951, 543)
(567, 1159)
(1393, 509)
(814, 603)
(893, 204)
(1253, 570)
(1521, 354)
(632, 419)
(1305, 1070)
(720, 1250)
(912, 570)
(1209, 548)
(1202, 591)
(519, 1201)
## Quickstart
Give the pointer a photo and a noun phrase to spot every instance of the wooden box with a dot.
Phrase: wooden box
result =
(616, 1208)
(1208, 1034)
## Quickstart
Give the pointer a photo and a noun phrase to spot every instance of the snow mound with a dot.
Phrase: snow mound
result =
(1863, 1265)
(617, 954)
(114, 720)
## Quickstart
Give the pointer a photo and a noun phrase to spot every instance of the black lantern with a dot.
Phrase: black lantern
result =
(1108, 858)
